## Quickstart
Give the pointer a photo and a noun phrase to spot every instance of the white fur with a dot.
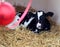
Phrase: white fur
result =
(13, 22)
(39, 14)
(27, 23)
(38, 25)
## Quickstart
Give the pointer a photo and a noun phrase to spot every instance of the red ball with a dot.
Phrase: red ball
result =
(7, 13)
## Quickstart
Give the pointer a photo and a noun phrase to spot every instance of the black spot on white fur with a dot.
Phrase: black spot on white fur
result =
(34, 21)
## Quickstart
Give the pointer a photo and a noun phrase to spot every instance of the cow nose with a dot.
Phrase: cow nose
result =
(39, 25)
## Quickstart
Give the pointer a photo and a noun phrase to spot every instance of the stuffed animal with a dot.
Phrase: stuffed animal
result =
(35, 21)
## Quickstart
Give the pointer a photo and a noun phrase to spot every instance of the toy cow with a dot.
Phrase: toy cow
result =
(35, 21)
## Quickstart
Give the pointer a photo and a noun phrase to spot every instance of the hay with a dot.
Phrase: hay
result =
(25, 38)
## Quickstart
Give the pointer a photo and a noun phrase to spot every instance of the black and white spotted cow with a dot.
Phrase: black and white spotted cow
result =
(34, 21)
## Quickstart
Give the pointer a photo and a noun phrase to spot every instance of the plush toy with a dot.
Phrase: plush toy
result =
(34, 21)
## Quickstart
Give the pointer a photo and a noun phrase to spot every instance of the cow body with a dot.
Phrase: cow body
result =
(34, 21)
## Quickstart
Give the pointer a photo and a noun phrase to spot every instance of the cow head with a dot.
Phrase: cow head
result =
(40, 17)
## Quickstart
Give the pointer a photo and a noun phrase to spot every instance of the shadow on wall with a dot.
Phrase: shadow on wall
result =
(22, 8)
(55, 18)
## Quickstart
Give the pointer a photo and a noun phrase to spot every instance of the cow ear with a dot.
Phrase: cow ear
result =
(49, 14)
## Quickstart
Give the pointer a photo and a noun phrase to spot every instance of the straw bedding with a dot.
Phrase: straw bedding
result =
(22, 37)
